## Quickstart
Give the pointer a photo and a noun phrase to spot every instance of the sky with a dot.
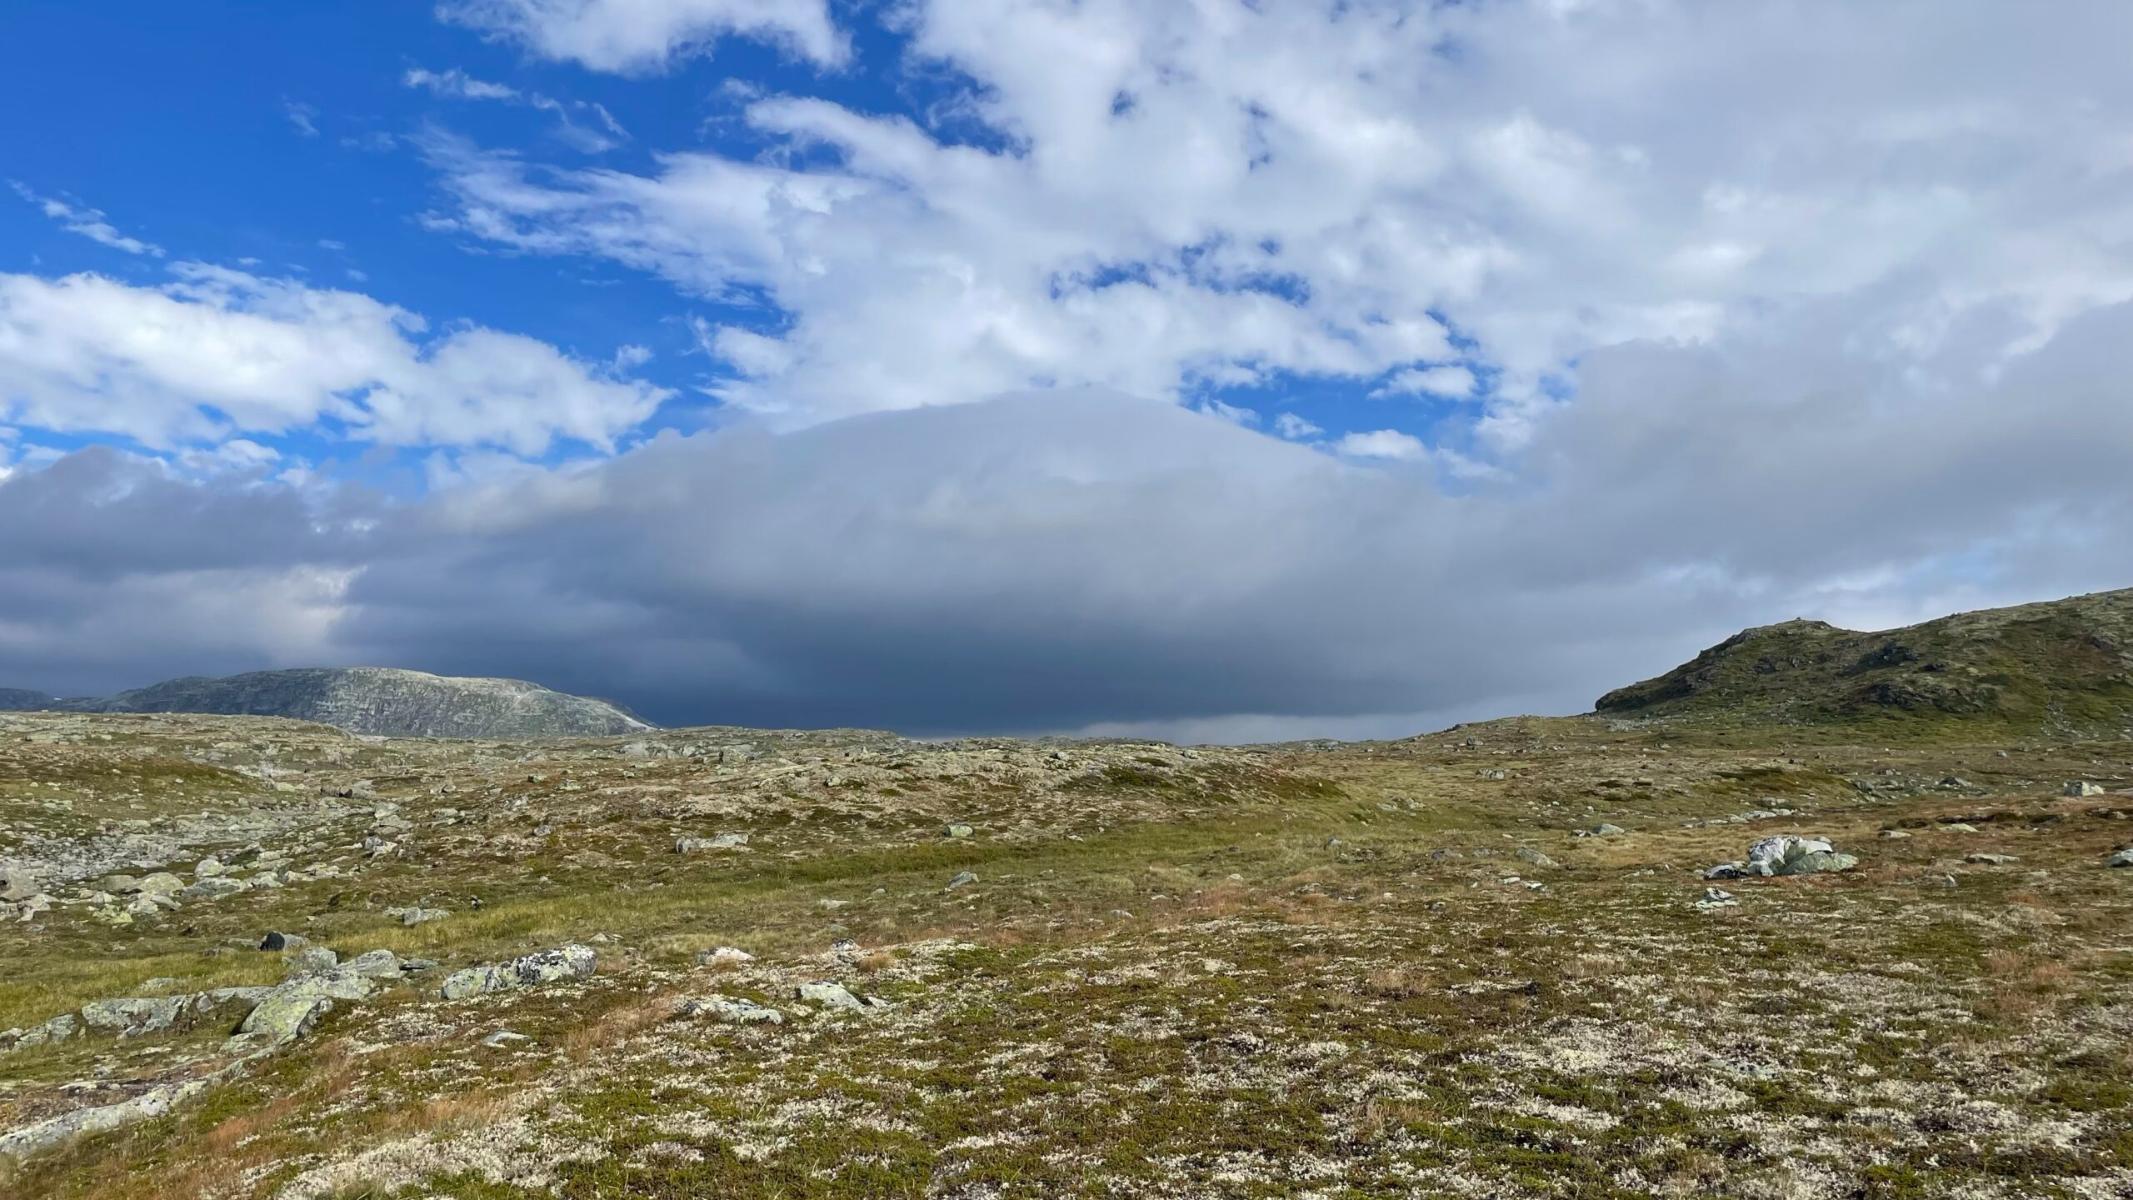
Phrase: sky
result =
(1201, 369)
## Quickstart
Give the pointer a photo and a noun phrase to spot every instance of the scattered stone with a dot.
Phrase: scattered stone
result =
(1894, 835)
(2081, 787)
(958, 830)
(17, 883)
(1494, 774)
(504, 1037)
(1990, 860)
(835, 995)
(1526, 854)
(962, 879)
(215, 887)
(1959, 827)
(724, 841)
(1714, 898)
(208, 868)
(32, 1140)
(58, 1029)
(119, 885)
(161, 883)
(735, 1011)
(2124, 858)
(724, 956)
(1603, 829)
(417, 915)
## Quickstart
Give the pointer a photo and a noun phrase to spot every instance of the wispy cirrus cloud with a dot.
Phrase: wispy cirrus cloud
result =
(88, 222)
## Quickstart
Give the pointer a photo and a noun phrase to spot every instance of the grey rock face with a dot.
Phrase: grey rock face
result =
(385, 701)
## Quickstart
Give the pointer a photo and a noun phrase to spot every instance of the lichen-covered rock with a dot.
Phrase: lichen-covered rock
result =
(474, 981)
(374, 964)
(310, 960)
(532, 970)
(732, 1010)
(289, 1011)
(724, 841)
(829, 995)
(1789, 854)
(133, 1015)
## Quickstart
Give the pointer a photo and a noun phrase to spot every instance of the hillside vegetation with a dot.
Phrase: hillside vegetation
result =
(2065, 666)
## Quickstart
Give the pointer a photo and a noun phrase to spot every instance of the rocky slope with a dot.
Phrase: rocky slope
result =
(268, 960)
(370, 700)
(2064, 665)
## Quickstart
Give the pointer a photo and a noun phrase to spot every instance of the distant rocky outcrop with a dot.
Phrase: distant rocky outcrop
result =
(2062, 665)
(371, 700)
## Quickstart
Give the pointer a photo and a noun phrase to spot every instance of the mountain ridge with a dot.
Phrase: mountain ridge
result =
(387, 701)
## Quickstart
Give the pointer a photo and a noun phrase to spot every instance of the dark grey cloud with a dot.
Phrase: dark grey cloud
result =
(1051, 561)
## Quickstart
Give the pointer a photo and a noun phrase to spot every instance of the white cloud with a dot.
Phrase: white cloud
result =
(649, 35)
(87, 222)
(1382, 443)
(219, 352)
(1434, 381)
(1295, 428)
(457, 84)
(303, 116)
(1179, 193)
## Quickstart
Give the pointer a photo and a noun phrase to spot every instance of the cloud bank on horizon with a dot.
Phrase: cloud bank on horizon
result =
(1197, 369)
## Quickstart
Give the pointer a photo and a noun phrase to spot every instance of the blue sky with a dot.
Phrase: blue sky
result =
(314, 163)
(1203, 369)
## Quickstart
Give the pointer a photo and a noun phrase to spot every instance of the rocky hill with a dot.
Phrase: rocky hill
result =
(2063, 665)
(369, 700)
